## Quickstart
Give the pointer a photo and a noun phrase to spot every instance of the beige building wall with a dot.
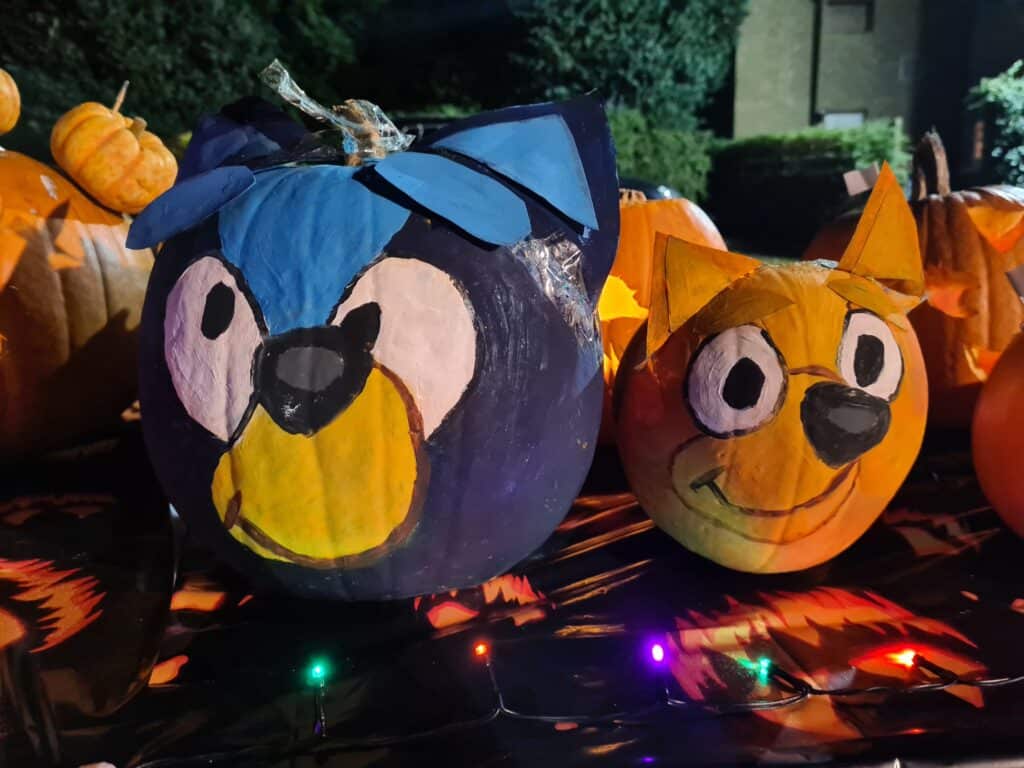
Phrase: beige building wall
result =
(773, 67)
(874, 70)
(871, 70)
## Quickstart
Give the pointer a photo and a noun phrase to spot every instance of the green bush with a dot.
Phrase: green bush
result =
(680, 159)
(183, 59)
(775, 191)
(664, 57)
(1001, 100)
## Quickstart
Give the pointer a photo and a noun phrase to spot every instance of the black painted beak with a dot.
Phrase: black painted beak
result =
(306, 377)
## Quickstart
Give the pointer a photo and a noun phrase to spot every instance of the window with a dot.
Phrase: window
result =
(845, 17)
(844, 119)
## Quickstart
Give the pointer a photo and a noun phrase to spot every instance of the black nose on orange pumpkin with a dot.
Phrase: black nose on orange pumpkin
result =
(842, 423)
(306, 377)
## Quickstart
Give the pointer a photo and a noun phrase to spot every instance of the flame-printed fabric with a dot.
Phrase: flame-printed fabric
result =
(67, 601)
(831, 637)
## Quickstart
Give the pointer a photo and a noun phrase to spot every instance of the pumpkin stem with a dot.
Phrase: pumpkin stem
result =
(631, 196)
(365, 130)
(931, 168)
(137, 126)
(120, 97)
(359, 114)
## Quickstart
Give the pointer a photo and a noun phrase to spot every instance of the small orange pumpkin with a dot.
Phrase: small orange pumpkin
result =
(113, 157)
(968, 240)
(10, 103)
(70, 299)
(626, 297)
(998, 436)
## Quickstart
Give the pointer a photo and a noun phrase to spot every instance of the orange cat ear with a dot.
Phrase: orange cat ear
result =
(686, 276)
(885, 246)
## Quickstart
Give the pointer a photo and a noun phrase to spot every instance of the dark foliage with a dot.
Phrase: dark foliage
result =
(775, 191)
(182, 58)
(662, 57)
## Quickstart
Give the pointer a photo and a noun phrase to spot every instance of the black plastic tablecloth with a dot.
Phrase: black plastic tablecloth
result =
(550, 664)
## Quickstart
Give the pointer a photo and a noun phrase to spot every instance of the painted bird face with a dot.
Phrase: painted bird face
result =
(377, 367)
(780, 407)
(349, 339)
(324, 389)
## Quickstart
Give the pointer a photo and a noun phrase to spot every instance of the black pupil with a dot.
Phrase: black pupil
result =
(743, 385)
(220, 308)
(868, 360)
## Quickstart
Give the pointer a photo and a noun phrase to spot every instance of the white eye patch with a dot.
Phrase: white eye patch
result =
(869, 356)
(210, 337)
(427, 334)
(736, 382)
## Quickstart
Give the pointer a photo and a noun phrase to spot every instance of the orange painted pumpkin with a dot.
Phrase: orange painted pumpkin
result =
(10, 103)
(113, 157)
(968, 239)
(626, 297)
(70, 299)
(767, 414)
(998, 436)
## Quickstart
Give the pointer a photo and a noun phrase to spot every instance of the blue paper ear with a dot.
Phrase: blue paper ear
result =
(477, 204)
(244, 130)
(187, 203)
(539, 153)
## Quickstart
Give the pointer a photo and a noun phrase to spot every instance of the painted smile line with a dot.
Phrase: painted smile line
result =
(741, 521)
(708, 480)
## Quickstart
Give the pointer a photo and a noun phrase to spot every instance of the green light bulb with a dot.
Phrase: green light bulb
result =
(762, 668)
(317, 671)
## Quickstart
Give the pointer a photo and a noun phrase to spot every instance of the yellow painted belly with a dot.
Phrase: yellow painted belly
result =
(339, 493)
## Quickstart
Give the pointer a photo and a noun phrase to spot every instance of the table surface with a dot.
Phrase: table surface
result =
(567, 677)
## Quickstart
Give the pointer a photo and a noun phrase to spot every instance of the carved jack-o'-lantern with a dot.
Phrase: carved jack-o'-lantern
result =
(968, 240)
(70, 299)
(778, 408)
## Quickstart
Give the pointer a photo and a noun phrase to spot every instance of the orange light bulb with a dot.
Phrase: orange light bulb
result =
(905, 658)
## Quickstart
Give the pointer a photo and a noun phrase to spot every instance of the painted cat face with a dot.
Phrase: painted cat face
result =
(779, 408)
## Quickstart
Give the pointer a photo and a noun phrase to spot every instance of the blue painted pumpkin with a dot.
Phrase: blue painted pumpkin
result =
(379, 381)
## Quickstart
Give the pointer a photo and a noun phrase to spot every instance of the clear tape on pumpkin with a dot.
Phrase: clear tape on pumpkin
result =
(365, 130)
(556, 266)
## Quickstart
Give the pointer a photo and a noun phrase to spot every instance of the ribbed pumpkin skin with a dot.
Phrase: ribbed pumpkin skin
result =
(10, 102)
(951, 240)
(640, 220)
(998, 436)
(112, 157)
(70, 299)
